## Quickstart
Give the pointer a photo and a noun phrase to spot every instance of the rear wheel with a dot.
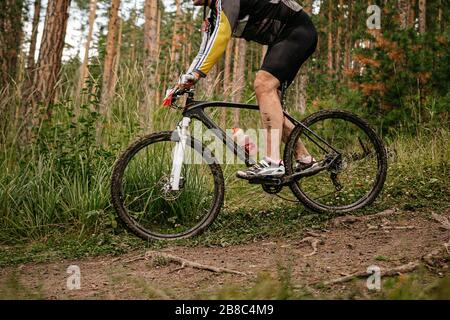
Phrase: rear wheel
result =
(358, 163)
(142, 195)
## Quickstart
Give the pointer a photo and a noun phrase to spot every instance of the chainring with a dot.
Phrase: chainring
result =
(271, 189)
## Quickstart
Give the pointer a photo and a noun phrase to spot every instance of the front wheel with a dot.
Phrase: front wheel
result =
(143, 197)
(352, 155)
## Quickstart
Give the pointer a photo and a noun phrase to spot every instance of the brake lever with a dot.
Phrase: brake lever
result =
(175, 95)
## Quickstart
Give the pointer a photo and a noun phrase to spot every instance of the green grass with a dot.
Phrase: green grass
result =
(56, 214)
(54, 192)
(416, 286)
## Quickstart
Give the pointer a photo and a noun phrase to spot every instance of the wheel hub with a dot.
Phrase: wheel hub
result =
(165, 188)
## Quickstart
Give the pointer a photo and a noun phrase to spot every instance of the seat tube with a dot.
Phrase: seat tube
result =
(178, 153)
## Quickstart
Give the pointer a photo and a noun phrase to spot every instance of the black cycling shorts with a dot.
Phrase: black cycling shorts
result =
(297, 42)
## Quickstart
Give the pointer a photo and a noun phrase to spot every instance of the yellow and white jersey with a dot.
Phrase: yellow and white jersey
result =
(255, 20)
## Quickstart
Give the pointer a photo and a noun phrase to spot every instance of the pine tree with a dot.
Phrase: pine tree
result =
(50, 53)
(87, 46)
(151, 53)
(108, 86)
(422, 16)
(238, 76)
(10, 39)
(34, 34)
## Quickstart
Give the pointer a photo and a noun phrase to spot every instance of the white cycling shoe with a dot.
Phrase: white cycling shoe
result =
(264, 168)
(304, 163)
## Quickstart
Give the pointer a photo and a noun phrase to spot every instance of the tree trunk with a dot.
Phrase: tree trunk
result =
(411, 13)
(133, 35)
(50, 53)
(115, 74)
(158, 50)
(302, 79)
(226, 79)
(150, 60)
(33, 40)
(348, 40)
(111, 53)
(150, 30)
(422, 16)
(339, 20)
(330, 39)
(403, 13)
(10, 39)
(174, 53)
(263, 54)
(439, 18)
(117, 59)
(238, 75)
(87, 46)
(210, 82)
(302, 83)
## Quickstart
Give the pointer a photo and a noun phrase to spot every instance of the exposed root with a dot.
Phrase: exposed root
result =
(187, 263)
(314, 242)
(442, 220)
(445, 224)
(314, 234)
(352, 219)
(409, 267)
(447, 247)
(430, 259)
(433, 256)
(386, 228)
(167, 258)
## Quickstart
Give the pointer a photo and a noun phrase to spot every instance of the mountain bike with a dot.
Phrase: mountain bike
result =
(169, 185)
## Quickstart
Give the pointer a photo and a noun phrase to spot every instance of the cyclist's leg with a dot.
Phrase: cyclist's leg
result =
(266, 89)
(300, 150)
(284, 59)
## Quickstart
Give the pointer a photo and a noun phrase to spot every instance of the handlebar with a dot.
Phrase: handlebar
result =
(171, 98)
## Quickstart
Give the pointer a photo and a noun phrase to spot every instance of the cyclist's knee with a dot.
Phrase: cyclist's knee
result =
(265, 83)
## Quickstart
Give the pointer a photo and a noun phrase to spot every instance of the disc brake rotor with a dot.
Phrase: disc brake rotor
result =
(166, 189)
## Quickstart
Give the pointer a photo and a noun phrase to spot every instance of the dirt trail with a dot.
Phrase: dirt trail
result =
(347, 245)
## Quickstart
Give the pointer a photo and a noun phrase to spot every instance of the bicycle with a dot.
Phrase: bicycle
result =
(164, 199)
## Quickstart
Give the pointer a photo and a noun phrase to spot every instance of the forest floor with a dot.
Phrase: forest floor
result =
(298, 266)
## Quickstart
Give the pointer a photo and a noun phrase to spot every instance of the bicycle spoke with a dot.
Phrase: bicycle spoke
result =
(147, 198)
(352, 175)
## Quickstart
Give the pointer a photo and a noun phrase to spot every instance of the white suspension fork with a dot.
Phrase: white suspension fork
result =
(178, 153)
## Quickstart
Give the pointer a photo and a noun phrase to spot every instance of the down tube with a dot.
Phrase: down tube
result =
(200, 115)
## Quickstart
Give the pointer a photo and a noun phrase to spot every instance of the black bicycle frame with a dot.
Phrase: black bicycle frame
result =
(196, 110)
